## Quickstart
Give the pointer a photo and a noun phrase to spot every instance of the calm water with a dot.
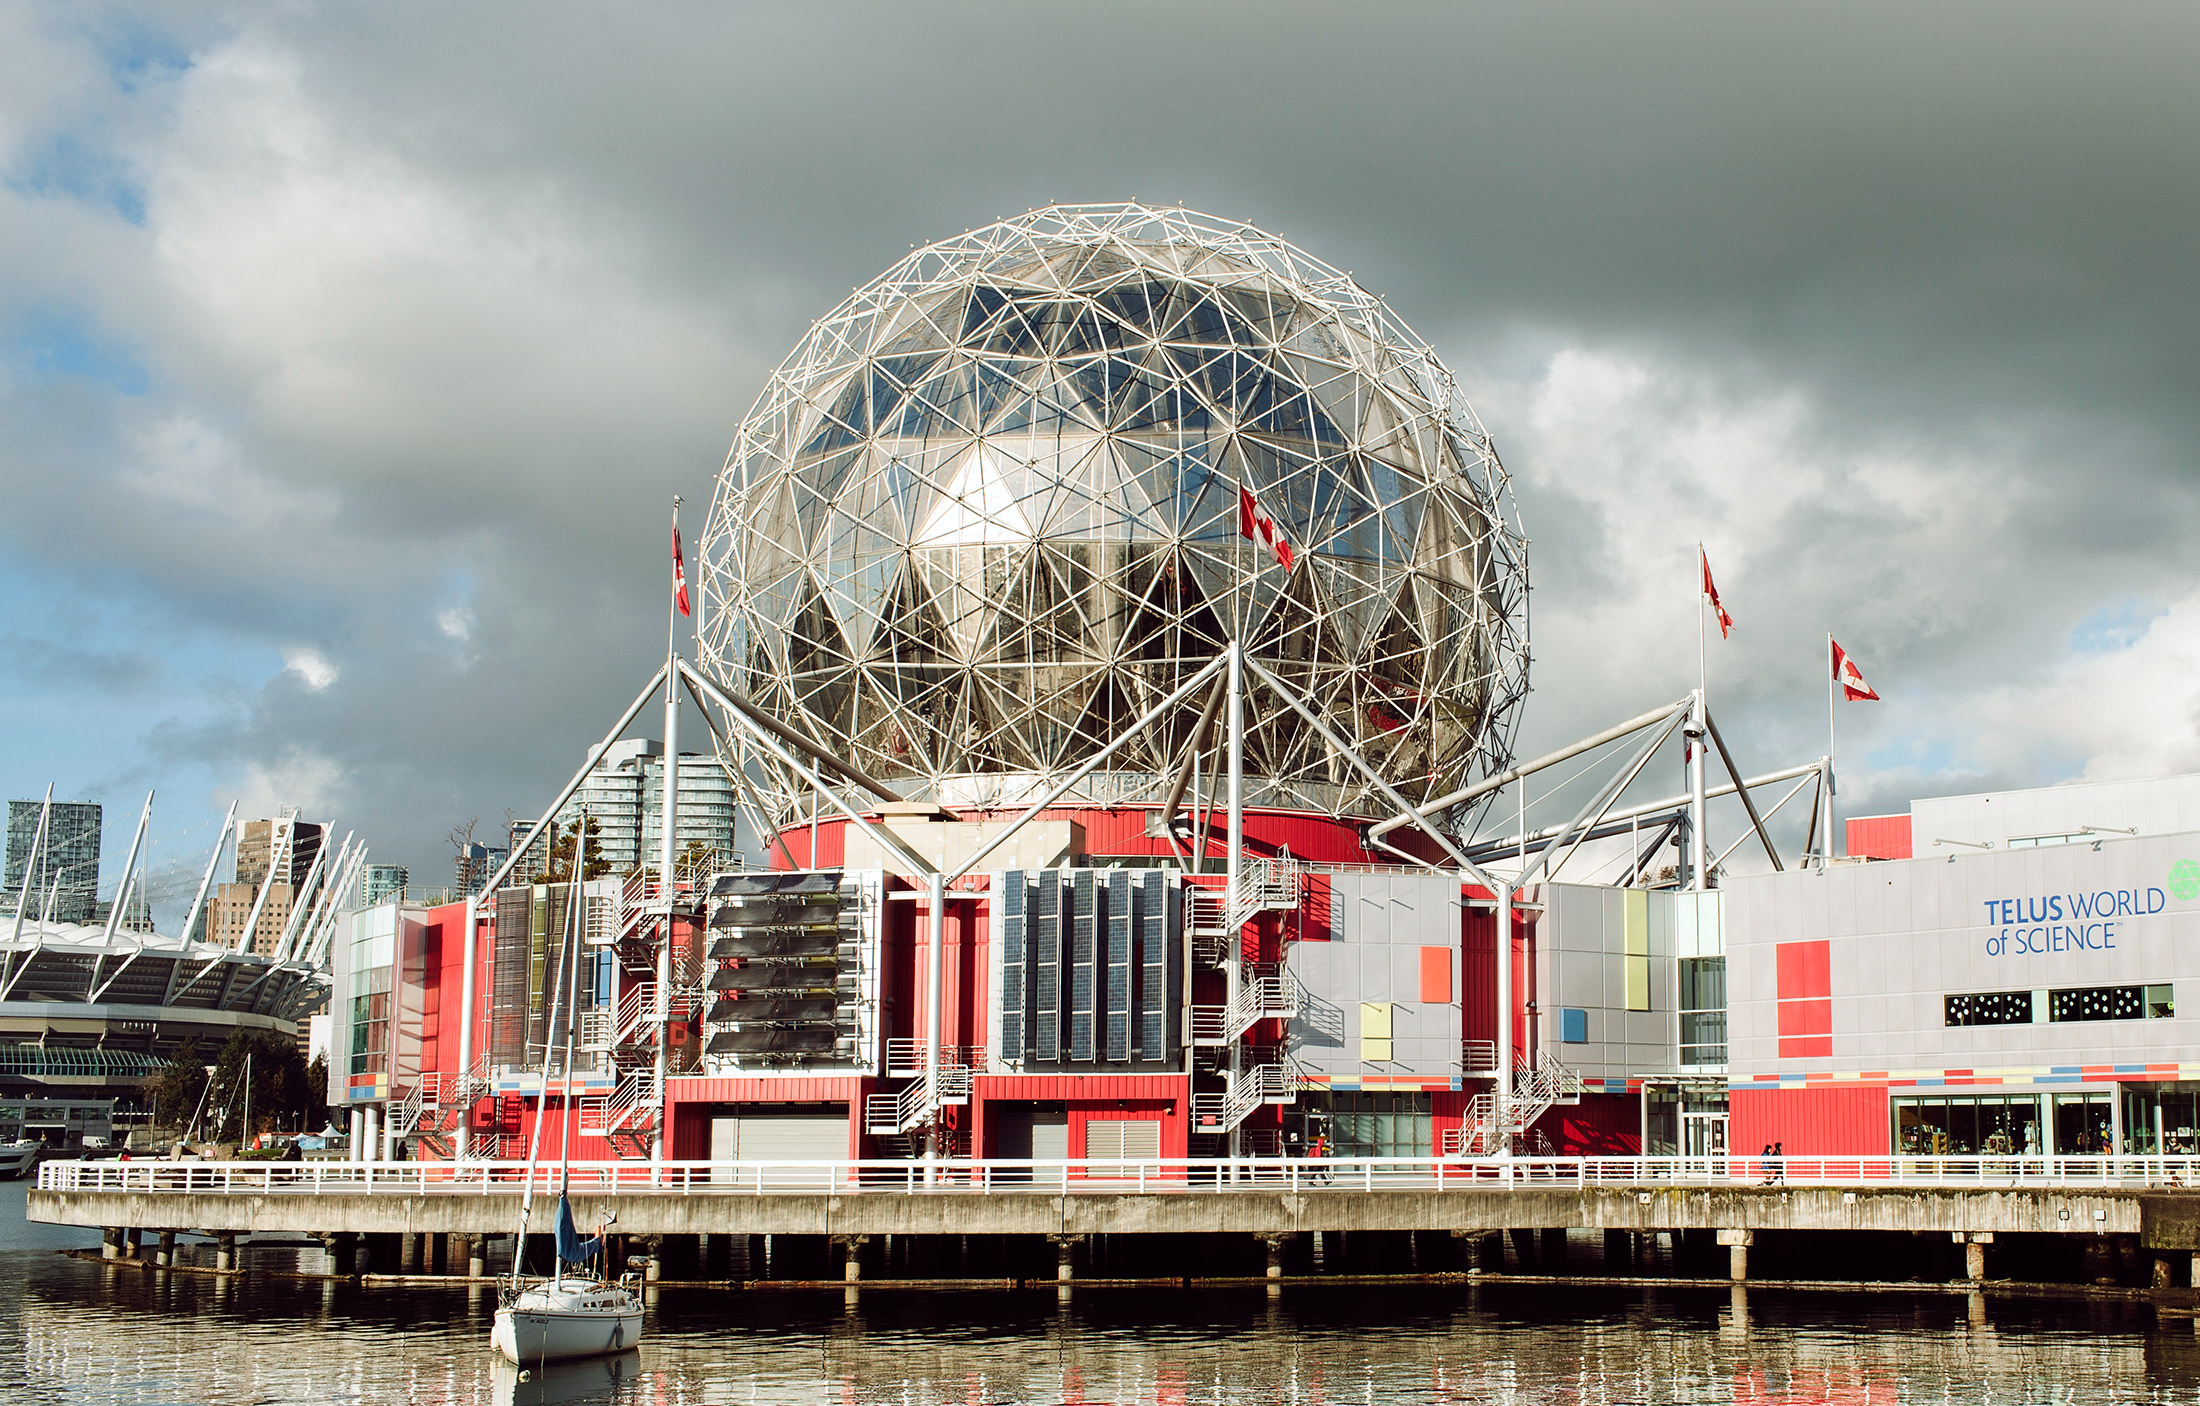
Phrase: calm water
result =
(71, 1332)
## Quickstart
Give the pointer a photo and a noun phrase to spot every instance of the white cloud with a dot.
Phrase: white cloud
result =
(456, 623)
(311, 666)
(306, 781)
(2127, 713)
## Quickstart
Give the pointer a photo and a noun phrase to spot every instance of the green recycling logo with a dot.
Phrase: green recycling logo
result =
(2184, 880)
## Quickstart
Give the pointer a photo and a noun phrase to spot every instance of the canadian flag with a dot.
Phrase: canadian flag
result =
(1852, 683)
(1726, 621)
(679, 574)
(1254, 522)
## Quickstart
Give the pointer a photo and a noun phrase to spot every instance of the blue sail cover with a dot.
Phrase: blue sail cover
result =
(571, 1248)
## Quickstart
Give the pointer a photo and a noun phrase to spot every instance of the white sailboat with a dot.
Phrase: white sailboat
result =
(575, 1313)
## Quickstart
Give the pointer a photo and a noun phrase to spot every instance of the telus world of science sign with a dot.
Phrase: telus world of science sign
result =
(2052, 960)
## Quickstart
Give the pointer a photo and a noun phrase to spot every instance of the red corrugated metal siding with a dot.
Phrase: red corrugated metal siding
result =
(1446, 1112)
(1601, 1125)
(743, 1089)
(1311, 837)
(1879, 836)
(1066, 1088)
(1478, 975)
(1175, 1123)
(1829, 1120)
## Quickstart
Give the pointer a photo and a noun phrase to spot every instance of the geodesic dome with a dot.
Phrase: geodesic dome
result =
(987, 514)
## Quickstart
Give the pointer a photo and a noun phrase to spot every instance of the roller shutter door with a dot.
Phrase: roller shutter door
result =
(1135, 1138)
(1049, 1137)
(806, 1139)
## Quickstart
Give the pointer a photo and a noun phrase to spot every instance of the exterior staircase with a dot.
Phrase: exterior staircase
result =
(918, 1104)
(1218, 1114)
(1489, 1128)
(1274, 995)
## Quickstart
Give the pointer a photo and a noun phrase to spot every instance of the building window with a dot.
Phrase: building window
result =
(1703, 1010)
(2112, 1003)
(1990, 1008)
(2043, 841)
(1957, 1126)
(1381, 1125)
(370, 1033)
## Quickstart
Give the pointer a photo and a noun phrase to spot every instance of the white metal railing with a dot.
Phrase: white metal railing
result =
(916, 1105)
(632, 1103)
(1249, 1089)
(1478, 1056)
(1264, 885)
(1259, 998)
(1217, 1175)
(905, 1057)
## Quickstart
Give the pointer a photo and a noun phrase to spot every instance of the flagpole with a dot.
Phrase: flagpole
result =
(1696, 731)
(1830, 831)
(667, 857)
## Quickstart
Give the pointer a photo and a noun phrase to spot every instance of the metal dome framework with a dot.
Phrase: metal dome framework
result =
(986, 515)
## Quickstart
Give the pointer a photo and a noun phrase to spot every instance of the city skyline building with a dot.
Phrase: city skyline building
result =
(624, 794)
(378, 882)
(64, 885)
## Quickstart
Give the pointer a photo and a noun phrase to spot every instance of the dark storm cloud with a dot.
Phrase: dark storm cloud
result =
(437, 305)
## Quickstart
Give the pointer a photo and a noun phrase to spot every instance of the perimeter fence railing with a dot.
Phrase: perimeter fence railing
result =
(1095, 1175)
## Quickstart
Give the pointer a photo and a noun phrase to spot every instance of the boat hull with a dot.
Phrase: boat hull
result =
(526, 1333)
(17, 1159)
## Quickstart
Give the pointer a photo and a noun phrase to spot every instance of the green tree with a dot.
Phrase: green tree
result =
(559, 866)
(278, 1095)
(175, 1087)
(316, 1104)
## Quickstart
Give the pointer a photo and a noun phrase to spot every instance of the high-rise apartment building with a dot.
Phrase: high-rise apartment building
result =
(379, 882)
(64, 882)
(624, 793)
(284, 846)
(475, 863)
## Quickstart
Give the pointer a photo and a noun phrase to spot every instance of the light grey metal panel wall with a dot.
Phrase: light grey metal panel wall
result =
(1580, 955)
(1382, 922)
(1905, 934)
(2158, 806)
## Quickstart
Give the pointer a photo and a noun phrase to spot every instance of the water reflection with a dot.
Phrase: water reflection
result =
(91, 1336)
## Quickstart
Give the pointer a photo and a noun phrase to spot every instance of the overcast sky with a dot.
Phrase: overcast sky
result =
(349, 355)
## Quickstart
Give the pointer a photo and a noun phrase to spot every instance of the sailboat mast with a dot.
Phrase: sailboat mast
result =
(573, 931)
(534, 1139)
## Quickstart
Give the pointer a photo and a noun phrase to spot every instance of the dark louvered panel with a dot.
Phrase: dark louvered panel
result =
(776, 976)
(766, 1039)
(1045, 938)
(1116, 991)
(780, 942)
(769, 1007)
(1011, 985)
(1084, 982)
(774, 912)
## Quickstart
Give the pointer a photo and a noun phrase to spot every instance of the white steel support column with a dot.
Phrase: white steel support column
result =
(1234, 866)
(934, 984)
(1503, 893)
(129, 871)
(667, 860)
(466, 1021)
(357, 1151)
(1695, 734)
(206, 883)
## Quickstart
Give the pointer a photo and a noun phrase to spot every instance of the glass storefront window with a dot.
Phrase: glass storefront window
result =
(2162, 1119)
(1968, 1124)
(1381, 1125)
(2082, 1123)
(1703, 1010)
